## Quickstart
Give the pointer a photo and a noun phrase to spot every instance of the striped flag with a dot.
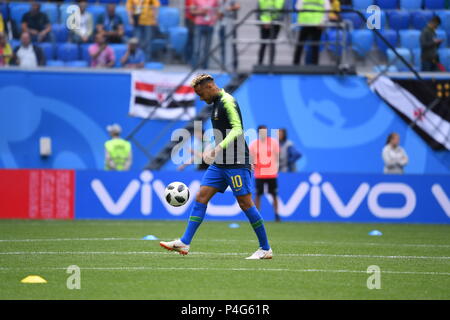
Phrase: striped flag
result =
(430, 124)
(149, 92)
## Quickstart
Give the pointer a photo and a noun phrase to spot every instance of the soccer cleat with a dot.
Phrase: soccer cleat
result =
(261, 254)
(175, 245)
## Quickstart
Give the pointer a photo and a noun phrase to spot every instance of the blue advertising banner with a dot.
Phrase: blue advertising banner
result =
(302, 197)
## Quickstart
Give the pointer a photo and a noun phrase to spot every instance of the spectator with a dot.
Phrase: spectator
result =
(205, 14)
(2, 23)
(27, 54)
(311, 27)
(288, 153)
(264, 154)
(101, 54)
(134, 57)
(429, 45)
(335, 6)
(118, 153)
(5, 51)
(37, 24)
(227, 14)
(111, 25)
(268, 30)
(189, 24)
(84, 33)
(143, 16)
(394, 156)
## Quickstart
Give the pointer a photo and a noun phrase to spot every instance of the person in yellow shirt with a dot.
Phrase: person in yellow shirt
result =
(2, 23)
(143, 15)
(6, 52)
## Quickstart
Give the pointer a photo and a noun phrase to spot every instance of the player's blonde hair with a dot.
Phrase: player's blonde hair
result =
(201, 78)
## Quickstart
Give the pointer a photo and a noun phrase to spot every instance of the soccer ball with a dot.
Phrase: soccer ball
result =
(176, 194)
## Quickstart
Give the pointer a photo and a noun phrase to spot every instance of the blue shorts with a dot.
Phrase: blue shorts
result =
(240, 180)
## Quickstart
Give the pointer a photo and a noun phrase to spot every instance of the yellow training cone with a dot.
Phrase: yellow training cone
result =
(33, 279)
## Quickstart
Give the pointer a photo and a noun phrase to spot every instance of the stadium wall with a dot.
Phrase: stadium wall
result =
(305, 197)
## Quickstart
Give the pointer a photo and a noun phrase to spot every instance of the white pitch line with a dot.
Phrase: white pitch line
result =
(380, 244)
(228, 269)
(220, 254)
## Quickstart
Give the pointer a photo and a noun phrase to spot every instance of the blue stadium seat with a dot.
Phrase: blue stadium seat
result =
(168, 18)
(334, 35)
(14, 43)
(434, 4)
(444, 57)
(4, 9)
(383, 18)
(391, 36)
(67, 52)
(387, 4)
(63, 12)
(55, 63)
(405, 53)
(49, 50)
(411, 4)
(409, 39)
(119, 51)
(445, 19)
(354, 18)
(76, 64)
(51, 9)
(420, 18)
(362, 4)
(96, 11)
(362, 41)
(110, 1)
(177, 39)
(399, 19)
(416, 58)
(154, 65)
(441, 34)
(121, 11)
(60, 32)
(84, 52)
(17, 10)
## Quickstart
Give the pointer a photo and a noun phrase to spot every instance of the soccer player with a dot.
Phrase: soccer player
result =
(265, 154)
(230, 166)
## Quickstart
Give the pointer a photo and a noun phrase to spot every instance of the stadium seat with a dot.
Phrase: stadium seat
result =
(434, 4)
(177, 39)
(67, 52)
(110, 1)
(445, 19)
(168, 18)
(405, 53)
(420, 18)
(49, 50)
(334, 35)
(416, 58)
(444, 57)
(84, 52)
(17, 10)
(76, 64)
(409, 38)
(391, 36)
(63, 12)
(399, 19)
(60, 32)
(354, 18)
(55, 63)
(4, 10)
(441, 34)
(154, 65)
(362, 4)
(51, 9)
(387, 4)
(119, 51)
(96, 11)
(122, 12)
(362, 41)
(14, 43)
(411, 4)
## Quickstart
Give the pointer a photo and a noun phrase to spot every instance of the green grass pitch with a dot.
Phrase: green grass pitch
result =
(311, 261)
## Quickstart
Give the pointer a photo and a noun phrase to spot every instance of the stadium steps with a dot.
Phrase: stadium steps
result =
(164, 155)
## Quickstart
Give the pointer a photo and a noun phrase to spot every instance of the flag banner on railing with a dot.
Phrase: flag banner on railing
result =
(431, 125)
(149, 92)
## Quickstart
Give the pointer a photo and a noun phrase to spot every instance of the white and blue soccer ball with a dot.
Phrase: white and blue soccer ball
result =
(176, 194)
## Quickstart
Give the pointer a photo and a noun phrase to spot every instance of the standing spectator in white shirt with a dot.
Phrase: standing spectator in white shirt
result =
(394, 156)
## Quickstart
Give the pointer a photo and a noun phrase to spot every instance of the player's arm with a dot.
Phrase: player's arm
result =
(235, 122)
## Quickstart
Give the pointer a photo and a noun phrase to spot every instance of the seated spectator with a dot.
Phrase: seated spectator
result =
(142, 14)
(101, 54)
(2, 23)
(84, 33)
(27, 54)
(134, 57)
(111, 25)
(37, 24)
(5, 50)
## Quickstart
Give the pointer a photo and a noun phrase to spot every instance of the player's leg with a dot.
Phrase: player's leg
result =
(259, 192)
(273, 190)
